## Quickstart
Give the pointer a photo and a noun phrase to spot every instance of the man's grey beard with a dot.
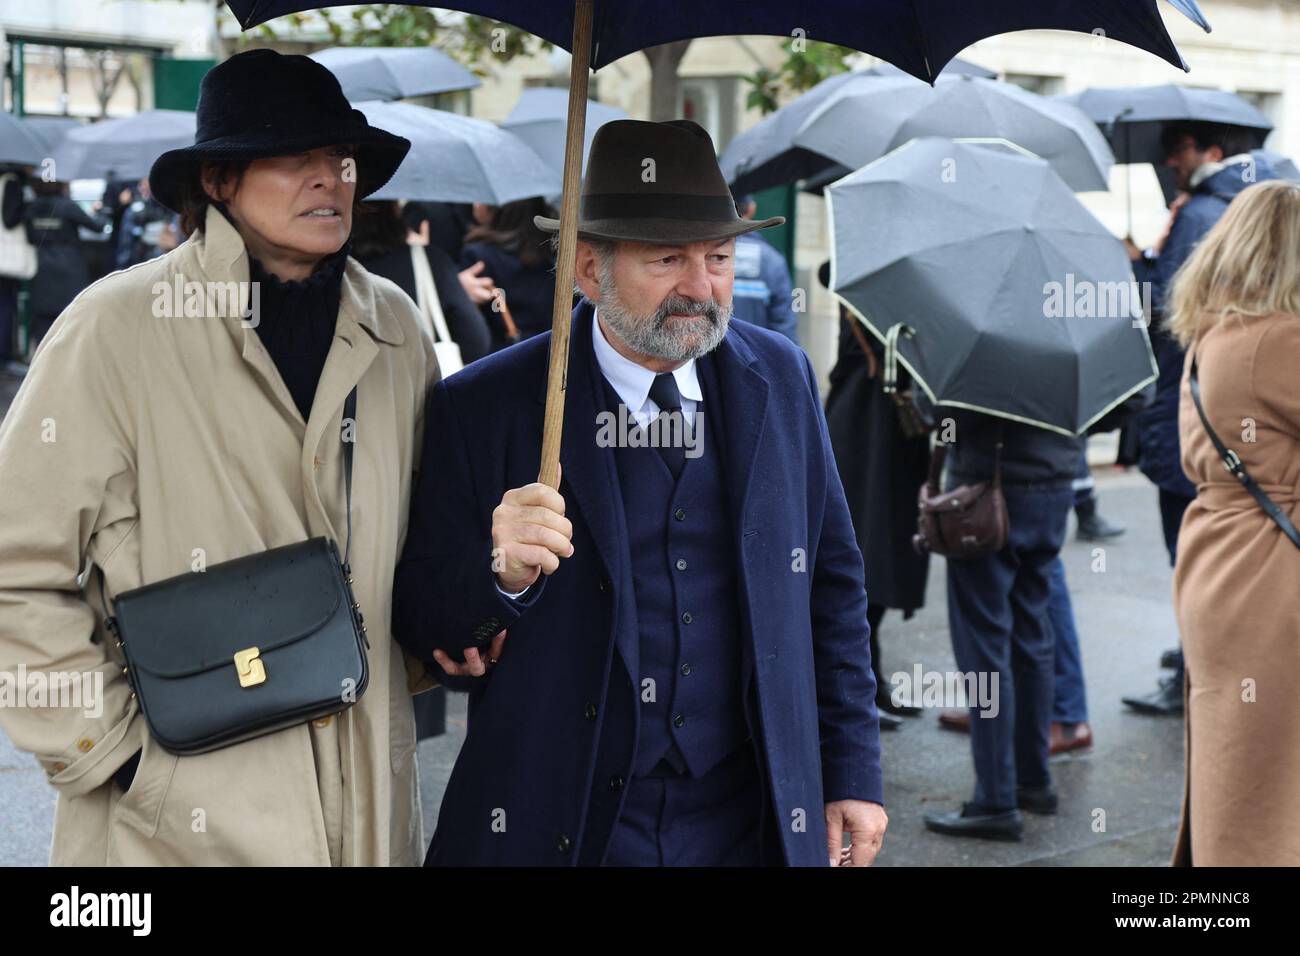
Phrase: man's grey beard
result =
(652, 335)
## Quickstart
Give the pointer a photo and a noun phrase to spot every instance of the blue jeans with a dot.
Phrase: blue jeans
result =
(998, 618)
(1070, 701)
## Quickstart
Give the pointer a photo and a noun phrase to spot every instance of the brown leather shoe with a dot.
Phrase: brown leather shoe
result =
(1066, 737)
(958, 720)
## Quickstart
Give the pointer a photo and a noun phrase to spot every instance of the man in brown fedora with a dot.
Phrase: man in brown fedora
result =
(686, 679)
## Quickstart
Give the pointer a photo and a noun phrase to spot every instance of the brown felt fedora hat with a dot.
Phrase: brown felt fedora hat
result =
(679, 197)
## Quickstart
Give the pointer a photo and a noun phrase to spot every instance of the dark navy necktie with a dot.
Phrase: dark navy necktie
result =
(666, 395)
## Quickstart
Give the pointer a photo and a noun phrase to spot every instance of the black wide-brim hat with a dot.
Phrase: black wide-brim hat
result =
(261, 103)
(656, 183)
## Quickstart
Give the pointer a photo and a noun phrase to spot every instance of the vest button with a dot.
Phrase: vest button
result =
(616, 783)
(681, 564)
(678, 720)
(686, 670)
(680, 514)
(686, 618)
(564, 844)
(591, 711)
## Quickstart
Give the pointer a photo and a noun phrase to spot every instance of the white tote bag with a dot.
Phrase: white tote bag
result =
(17, 255)
(435, 324)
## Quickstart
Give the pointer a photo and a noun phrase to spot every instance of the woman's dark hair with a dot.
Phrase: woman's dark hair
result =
(512, 228)
(377, 228)
(194, 200)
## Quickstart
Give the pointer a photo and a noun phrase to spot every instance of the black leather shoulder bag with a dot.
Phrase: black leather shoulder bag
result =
(249, 646)
(1234, 466)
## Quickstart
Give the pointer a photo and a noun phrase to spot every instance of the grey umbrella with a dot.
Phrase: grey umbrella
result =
(122, 148)
(458, 159)
(540, 117)
(18, 144)
(50, 130)
(1134, 117)
(860, 123)
(393, 73)
(1021, 304)
(956, 67)
(854, 118)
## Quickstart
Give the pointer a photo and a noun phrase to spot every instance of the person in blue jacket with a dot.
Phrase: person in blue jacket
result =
(761, 292)
(1213, 163)
(686, 675)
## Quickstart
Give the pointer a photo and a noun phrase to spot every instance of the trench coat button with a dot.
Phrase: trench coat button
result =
(60, 767)
(678, 720)
(686, 670)
(686, 618)
(322, 721)
(680, 514)
(616, 783)
(84, 744)
(591, 711)
(681, 564)
(564, 844)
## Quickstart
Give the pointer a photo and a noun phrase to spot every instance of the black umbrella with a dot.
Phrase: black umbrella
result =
(1017, 301)
(920, 37)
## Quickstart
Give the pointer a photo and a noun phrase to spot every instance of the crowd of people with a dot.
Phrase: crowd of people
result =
(652, 680)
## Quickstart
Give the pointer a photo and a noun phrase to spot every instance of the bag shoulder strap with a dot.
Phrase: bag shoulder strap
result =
(349, 412)
(427, 294)
(1232, 462)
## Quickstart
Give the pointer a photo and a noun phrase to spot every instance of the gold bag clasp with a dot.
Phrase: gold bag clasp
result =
(250, 668)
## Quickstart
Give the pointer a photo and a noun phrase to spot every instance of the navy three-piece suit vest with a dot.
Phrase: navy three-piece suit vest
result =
(688, 615)
(680, 541)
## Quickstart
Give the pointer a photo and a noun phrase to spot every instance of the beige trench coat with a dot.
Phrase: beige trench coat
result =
(146, 444)
(1237, 597)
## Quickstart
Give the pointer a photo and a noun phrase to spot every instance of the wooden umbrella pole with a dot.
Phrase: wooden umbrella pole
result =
(557, 373)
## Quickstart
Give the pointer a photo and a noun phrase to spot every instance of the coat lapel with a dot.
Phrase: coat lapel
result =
(740, 398)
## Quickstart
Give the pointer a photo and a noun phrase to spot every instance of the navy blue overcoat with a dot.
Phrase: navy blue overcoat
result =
(556, 720)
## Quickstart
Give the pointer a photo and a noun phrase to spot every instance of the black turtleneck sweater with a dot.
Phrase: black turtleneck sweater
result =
(297, 320)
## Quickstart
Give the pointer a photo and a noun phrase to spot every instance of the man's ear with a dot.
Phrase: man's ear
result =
(1214, 154)
(586, 271)
(210, 180)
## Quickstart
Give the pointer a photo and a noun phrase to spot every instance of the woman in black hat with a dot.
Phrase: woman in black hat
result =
(188, 411)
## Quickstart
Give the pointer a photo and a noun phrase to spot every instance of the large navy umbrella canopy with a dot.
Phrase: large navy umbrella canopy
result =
(966, 245)
(918, 36)
(394, 73)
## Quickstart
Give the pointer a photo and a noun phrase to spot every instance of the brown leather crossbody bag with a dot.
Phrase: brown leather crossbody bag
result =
(968, 522)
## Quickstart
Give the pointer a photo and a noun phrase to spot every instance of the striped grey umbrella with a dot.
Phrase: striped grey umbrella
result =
(1019, 303)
